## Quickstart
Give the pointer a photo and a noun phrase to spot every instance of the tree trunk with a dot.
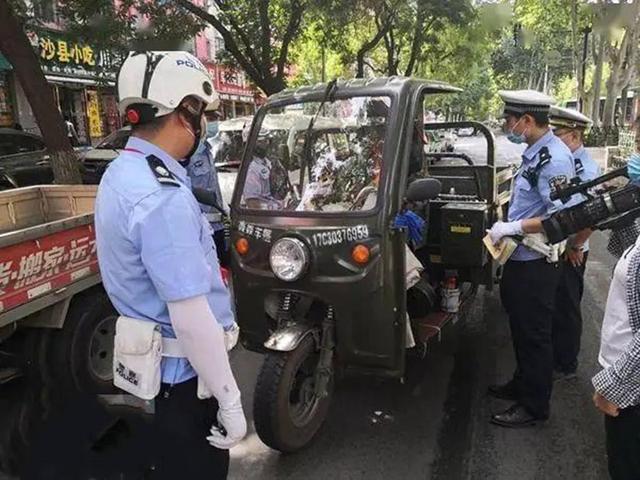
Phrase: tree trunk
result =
(597, 78)
(608, 115)
(577, 58)
(15, 45)
(623, 105)
(623, 63)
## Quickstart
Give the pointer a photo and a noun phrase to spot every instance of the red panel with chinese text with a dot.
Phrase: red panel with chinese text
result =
(36, 267)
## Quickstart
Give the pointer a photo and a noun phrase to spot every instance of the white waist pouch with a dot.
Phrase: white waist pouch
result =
(137, 355)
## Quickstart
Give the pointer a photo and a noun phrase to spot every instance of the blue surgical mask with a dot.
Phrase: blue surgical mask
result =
(633, 168)
(516, 138)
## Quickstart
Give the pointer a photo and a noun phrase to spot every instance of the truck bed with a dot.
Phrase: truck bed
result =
(47, 244)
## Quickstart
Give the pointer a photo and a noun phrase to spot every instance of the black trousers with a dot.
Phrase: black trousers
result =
(221, 247)
(181, 425)
(528, 291)
(567, 318)
(623, 444)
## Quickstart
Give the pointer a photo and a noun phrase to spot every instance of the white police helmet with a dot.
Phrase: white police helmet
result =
(153, 84)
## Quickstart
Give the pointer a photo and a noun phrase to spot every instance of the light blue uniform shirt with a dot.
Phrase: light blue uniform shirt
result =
(532, 199)
(202, 173)
(587, 169)
(155, 246)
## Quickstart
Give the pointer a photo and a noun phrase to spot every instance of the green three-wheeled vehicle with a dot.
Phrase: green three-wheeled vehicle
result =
(324, 272)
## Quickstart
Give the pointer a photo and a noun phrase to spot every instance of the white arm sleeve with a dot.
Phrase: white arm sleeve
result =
(202, 339)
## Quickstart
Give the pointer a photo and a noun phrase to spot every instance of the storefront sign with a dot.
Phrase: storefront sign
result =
(230, 81)
(93, 112)
(64, 56)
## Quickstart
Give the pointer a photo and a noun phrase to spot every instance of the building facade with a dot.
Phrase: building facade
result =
(82, 80)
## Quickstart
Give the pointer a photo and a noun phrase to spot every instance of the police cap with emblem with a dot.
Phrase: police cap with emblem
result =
(519, 102)
(560, 117)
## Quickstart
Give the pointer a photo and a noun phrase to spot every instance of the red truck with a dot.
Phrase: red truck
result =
(56, 321)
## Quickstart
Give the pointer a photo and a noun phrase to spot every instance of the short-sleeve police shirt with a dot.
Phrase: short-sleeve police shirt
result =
(533, 185)
(155, 246)
(587, 169)
(202, 173)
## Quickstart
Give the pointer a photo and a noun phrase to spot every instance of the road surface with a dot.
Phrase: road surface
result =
(435, 426)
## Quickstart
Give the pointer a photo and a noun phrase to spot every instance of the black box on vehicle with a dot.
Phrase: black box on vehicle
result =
(463, 227)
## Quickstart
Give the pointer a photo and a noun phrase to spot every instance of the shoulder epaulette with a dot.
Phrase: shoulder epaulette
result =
(532, 174)
(161, 172)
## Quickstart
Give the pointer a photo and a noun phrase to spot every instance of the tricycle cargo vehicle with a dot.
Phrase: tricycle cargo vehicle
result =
(326, 273)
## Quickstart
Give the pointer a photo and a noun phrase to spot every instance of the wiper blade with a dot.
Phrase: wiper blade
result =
(328, 93)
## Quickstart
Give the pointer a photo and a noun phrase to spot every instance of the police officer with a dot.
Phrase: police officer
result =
(529, 282)
(158, 261)
(569, 126)
(202, 172)
(257, 192)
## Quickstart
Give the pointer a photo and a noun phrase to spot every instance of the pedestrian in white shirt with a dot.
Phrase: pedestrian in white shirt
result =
(617, 385)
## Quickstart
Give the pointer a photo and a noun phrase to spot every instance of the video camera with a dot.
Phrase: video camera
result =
(607, 208)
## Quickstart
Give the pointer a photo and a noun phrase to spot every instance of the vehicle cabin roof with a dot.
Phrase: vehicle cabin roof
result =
(363, 86)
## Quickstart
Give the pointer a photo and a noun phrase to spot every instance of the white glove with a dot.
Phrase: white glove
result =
(231, 335)
(232, 427)
(505, 229)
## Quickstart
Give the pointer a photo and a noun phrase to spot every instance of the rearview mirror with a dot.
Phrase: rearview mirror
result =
(423, 189)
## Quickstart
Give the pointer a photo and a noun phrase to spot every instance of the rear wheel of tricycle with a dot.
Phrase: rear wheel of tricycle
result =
(286, 408)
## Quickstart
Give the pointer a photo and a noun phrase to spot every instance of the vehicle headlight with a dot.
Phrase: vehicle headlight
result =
(289, 259)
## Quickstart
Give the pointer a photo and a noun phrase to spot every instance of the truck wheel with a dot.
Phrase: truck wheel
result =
(83, 349)
(287, 413)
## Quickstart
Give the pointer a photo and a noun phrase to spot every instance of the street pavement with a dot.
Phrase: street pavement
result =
(435, 425)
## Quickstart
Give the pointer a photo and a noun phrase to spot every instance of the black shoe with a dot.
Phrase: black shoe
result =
(559, 375)
(515, 416)
(504, 392)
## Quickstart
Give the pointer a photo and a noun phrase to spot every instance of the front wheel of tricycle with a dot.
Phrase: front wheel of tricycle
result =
(287, 410)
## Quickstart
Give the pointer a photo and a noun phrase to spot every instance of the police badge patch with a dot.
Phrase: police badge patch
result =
(558, 183)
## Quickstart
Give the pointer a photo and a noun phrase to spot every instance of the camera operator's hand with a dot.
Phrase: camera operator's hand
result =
(575, 257)
(505, 229)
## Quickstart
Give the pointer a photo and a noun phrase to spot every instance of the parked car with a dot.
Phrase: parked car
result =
(95, 161)
(23, 160)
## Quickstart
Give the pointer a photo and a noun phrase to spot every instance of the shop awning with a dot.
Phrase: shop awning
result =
(4, 64)
(77, 80)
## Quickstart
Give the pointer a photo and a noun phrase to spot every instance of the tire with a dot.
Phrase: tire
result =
(278, 425)
(82, 352)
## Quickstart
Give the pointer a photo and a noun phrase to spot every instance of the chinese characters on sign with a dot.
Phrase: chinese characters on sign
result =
(93, 112)
(66, 52)
(65, 56)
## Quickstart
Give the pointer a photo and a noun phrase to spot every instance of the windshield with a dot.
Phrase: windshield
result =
(115, 141)
(326, 161)
(227, 147)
